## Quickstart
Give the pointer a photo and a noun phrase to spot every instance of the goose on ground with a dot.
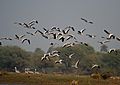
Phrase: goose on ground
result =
(36, 72)
(6, 38)
(16, 70)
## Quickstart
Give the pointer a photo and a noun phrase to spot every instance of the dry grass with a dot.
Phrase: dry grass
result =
(50, 79)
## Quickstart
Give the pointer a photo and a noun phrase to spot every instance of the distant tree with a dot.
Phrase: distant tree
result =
(104, 48)
(38, 50)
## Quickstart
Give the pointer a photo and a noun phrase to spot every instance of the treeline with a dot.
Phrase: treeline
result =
(11, 56)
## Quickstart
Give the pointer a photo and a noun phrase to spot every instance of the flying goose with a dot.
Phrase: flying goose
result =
(110, 35)
(70, 56)
(117, 38)
(25, 25)
(59, 61)
(111, 50)
(46, 57)
(91, 36)
(87, 21)
(68, 44)
(81, 31)
(70, 36)
(33, 22)
(95, 66)
(25, 39)
(19, 37)
(70, 27)
(5, 38)
(76, 64)
(43, 35)
(33, 34)
(103, 42)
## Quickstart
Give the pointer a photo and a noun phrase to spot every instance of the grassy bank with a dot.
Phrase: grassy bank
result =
(51, 79)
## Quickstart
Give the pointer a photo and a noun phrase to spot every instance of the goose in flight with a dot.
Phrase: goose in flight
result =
(95, 66)
(33, 22)
(111, 50)
(62, 38)
(45, 30)
(81, 31)
(33, 34)
(91, 36)
(103, 42)
(25, 39)
(70, 36)
(87, 21)
(16, 70)
(19, 37)
(6, 38)
(110, 35)
(43, 35)
(83, 43)
(55, 53)
(117, 38)
(76, 64)
(65, 31)
(70, 56)
(68, 44)
(46, 57)
(84, 20)
(70, 27)
(25, 25)
(59, 61)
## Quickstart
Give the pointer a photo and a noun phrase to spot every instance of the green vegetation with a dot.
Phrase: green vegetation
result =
(11, 56)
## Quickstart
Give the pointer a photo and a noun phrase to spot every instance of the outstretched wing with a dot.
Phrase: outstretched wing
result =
(106, 31)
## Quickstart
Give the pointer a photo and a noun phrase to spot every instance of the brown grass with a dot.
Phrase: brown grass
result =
(50, 79)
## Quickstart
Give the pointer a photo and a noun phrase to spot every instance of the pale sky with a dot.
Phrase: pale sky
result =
(60, 13)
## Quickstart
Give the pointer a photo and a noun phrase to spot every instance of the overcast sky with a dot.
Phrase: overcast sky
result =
(60, 13)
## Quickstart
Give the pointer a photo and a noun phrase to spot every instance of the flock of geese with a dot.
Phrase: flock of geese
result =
(65, 36)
